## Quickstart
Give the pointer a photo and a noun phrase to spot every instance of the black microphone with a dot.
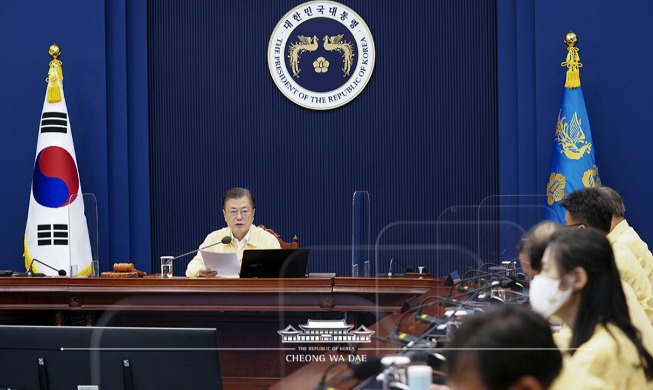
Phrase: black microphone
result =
(435, 322)
(505, 282)
(30, 272)
(423, 351)
(360, 371)
(225, 240)
(432, 320)
(403, 338)
(423, 317)
(518, 282)
(416, 311)
(406, 267)
(481, 277)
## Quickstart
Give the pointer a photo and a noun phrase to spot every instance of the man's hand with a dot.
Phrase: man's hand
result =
(207, 273)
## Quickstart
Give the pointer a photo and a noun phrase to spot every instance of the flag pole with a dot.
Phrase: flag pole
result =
(573, 161)
(54, 74)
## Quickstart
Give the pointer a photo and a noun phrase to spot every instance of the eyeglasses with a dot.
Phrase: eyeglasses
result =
(576, 225)
(243, 213)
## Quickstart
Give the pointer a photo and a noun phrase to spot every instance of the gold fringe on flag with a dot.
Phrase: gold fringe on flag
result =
(55, 74)
(26, 255)
(573, 62)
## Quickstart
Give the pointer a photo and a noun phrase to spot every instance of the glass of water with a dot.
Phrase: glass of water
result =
(166, 267)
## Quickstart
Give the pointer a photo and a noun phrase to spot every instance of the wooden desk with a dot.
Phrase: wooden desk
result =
(246, 312)
(308, 377)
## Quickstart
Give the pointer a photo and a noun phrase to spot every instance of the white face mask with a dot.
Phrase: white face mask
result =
(545, 295)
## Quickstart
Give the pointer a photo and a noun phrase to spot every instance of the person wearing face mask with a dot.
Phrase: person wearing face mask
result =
(591, 208)
(238, 208)
(531, 248)
(580, 284)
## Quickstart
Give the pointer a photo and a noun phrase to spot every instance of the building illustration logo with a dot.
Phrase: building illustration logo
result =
(321, 55)
(326, 331)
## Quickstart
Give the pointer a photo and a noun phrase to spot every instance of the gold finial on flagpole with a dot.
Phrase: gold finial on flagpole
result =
(573, 61)
(54, 51)
(571, 39)
(55, 74)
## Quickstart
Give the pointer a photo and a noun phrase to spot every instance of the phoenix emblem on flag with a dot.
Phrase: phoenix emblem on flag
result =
(591, 177)
(571, 137)
(555, 189)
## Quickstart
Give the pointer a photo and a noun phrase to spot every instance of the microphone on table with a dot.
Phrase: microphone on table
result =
(423, 351)
(437, 324)
(30, 271)
(431, 320)
(166, 261)
(483, 278)
(225, 240)
(407, 268)
(504, 282)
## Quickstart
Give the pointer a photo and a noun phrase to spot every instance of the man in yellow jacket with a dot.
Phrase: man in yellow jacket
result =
(589, 207)
(624, 234)
(238, 208)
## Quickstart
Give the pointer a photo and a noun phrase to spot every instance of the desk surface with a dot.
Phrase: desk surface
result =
(248, 313)
(184, 294)
(309, 376)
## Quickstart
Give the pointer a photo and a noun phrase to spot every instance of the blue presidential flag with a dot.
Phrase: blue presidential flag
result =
(573, 162)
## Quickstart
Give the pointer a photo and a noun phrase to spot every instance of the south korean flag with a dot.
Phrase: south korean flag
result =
(56, 233)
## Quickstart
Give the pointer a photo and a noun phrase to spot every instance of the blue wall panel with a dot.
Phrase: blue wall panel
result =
(421, 137)
(28, 29)
(531, 81)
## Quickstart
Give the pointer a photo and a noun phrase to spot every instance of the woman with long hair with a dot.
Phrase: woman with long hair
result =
(580, 284)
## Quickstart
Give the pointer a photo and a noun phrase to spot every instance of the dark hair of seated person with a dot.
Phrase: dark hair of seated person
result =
(535, 241)
(602, 299)
(589, 206)
(505, 344)
(237, 193)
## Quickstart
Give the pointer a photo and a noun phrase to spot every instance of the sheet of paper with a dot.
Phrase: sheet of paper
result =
(226, 264)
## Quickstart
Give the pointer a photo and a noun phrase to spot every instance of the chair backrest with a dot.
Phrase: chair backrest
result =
(293, 244)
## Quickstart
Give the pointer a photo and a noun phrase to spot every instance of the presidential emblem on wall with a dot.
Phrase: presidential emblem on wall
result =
(321, 55)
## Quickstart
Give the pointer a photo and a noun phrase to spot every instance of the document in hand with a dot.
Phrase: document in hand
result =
(226, 264)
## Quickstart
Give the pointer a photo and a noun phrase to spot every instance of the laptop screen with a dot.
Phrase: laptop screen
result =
(274, 263)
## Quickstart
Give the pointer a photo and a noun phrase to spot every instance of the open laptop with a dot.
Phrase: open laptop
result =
(274, 263)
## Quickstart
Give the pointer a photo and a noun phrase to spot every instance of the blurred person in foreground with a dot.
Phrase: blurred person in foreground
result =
(238, 208)
(509, 347)
(532, 245)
